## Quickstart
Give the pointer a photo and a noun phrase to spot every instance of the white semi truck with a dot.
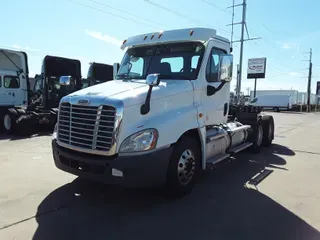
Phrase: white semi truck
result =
(14, 82)
(164, 119)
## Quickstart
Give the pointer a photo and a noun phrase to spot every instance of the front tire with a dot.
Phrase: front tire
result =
(184, 167)
(9, 120)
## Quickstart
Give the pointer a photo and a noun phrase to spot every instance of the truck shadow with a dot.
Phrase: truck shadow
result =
(11, 137)
(221, 206)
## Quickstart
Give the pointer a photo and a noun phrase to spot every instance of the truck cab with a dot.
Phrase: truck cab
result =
(98, 73)
(43, 101)
(14, 80)
(163, 119)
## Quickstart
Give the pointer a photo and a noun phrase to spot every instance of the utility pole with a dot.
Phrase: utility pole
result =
(242, 40)
(309, 80)
(244, 11)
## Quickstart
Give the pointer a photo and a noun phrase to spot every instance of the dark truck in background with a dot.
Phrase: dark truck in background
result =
(98, 73)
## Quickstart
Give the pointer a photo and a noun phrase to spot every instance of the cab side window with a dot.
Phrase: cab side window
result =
(212, 69)
(38, 85)
(11, 82)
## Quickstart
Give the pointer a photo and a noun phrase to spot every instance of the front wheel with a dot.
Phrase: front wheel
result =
(183, 167)
(9, 120)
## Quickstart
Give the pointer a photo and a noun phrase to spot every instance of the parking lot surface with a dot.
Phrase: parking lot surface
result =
(271, 195)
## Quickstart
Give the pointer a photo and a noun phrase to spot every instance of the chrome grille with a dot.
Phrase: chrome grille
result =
(88, 127)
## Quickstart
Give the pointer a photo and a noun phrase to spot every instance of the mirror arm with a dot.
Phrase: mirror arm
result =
(145, 108)
(213, 90)
(220, 86)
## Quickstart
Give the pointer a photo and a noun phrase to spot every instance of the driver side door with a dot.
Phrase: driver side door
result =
(215, 104)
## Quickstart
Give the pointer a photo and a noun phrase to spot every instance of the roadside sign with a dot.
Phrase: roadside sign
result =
(256, 68)
(318, 89)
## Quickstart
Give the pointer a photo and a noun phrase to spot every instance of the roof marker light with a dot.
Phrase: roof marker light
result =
(152, 36)
(145, 37)
(191, 32)
(160, 34)
(124, 41)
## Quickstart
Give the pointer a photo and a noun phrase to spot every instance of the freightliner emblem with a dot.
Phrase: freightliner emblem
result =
(83, 101)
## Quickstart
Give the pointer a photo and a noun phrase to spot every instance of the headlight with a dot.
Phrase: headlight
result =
(140, 141)
(54, 134)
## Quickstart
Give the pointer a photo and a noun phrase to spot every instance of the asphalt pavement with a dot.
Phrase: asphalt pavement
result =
(271, 195)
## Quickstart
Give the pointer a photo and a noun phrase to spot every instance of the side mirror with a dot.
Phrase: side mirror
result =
(116, 67)
(65, 80)
(226, 66)
(153, 79)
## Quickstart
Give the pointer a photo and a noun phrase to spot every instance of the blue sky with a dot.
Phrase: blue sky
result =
(91, 30)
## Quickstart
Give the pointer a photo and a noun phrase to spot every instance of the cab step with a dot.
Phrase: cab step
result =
(216, 159)
(239, 148)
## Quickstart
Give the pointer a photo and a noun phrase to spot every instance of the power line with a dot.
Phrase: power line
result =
(272, 57)
(268, 29)
(179, 14)
(172, 11)
(115, 15)
(120, 10)
(215, 6)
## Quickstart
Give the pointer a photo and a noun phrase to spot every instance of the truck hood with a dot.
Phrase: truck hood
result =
(133, 92)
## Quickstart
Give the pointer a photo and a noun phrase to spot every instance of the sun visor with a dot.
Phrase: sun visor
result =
(100, 71)
(58, 66)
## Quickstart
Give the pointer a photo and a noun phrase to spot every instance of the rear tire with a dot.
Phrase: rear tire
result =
(256, 136)
(183, 168)
(2, 112)
(268, 130)
(25, 125)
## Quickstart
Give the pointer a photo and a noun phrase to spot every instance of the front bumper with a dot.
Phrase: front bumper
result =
(143, 170)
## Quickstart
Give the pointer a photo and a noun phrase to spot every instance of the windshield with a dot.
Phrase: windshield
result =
(54, 86)
(171, 61)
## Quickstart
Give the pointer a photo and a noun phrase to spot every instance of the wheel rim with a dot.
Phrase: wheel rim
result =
(260, 135)
(7, 122)
(186, 167)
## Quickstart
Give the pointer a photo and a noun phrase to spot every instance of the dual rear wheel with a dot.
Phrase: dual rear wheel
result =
(262, 133)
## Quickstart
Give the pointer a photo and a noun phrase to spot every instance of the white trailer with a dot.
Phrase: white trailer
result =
(293, 93)
(273, 102)
(163, 119)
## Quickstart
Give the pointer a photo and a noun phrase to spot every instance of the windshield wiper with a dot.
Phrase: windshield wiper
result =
(123, 75)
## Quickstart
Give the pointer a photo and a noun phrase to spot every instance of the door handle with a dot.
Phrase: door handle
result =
(12, 94)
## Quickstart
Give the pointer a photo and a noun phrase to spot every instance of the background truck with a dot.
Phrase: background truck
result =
(41, 104)
(164, 119)
(273, 102)
(98, 73)
(14, 81)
